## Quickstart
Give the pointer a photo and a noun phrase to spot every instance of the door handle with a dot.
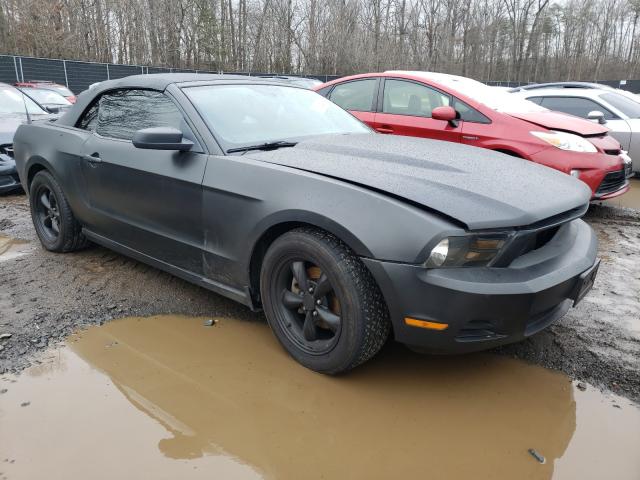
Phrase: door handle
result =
(384, 129)
(93, 158)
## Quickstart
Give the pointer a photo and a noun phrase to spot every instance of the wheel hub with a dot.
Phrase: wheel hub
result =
(311, 306)
(308, 302)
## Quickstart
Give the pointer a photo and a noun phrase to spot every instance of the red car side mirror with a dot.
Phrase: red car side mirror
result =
(448, 114)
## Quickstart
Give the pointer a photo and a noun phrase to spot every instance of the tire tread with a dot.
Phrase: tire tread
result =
(377, 324)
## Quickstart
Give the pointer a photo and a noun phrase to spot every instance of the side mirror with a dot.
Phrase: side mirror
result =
(161, 138)
(598, 116)
(52, 109)
(448, 114)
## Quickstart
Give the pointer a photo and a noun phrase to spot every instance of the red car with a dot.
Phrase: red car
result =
(47, 85)
(458, 109)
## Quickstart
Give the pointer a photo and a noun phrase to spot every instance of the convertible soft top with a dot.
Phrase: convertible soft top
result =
(154, 81)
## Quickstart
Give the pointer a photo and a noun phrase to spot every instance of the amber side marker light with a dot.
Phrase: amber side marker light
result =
(414, 322)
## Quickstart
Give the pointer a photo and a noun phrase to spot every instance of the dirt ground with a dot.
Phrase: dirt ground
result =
(44, 297)
(170, 398)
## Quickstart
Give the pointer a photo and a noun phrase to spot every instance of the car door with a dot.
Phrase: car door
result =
(147, 200)
(358, 97)
(406, 110)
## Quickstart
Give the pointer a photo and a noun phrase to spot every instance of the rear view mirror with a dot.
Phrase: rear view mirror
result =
(448, 114)
(52, 109)
(598, 116)
(161, 138)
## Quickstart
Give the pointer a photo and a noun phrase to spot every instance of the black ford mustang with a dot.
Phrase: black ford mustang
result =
(273, 196)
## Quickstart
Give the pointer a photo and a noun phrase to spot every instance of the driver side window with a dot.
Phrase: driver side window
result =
(409, 98)
(119, 114)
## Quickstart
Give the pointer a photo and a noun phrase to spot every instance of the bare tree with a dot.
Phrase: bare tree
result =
(519, 40)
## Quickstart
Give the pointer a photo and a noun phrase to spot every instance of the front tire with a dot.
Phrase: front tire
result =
(57, 228)
(321, 302)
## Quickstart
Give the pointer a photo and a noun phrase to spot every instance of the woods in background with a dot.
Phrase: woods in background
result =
(517, 40)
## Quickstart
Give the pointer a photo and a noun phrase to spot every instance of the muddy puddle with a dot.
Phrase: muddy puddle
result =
(167, 397)
(11, 248)
(631, 199)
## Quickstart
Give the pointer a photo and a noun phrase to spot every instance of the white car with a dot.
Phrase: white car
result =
(620, 113)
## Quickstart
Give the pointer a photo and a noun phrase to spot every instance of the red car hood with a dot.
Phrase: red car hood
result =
(562, 121)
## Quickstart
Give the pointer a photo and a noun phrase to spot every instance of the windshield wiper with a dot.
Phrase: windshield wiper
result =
(264, 146)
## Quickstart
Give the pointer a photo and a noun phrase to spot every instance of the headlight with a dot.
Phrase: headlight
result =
(467, 251)
(566, 141)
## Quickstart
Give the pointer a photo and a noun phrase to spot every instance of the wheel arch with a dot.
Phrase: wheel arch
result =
(509, 152)
(35, 165)
(285, 223)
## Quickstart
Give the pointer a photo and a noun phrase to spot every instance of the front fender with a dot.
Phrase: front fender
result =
(244, 198)
(307, 217)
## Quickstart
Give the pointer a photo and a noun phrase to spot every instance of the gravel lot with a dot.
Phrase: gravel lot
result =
(45, 296)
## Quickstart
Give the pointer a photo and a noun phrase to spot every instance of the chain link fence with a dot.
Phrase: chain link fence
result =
(77, 76)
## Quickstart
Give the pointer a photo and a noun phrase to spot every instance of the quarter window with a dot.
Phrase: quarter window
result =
(468, 113)
(409, 98)
(578, 106)
(356, 95)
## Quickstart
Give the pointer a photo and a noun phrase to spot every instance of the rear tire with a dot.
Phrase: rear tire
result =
(321, 302)
(57, 228)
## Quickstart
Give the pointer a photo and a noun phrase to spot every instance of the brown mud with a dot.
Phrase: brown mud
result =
(167, 397)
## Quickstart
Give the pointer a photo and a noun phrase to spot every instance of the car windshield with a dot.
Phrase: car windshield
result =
(48, 97)
(13, 101)
(627, 106)
(495, 98)
(244, 115)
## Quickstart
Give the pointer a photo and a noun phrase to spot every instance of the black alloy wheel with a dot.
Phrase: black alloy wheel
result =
(310, 308)
(55, 224)
(321, 302)
(47, 212)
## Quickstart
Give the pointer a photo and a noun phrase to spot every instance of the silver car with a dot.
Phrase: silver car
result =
(618, 112)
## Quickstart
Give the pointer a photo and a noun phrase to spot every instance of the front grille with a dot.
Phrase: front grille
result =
(612, 182)
(7, 149)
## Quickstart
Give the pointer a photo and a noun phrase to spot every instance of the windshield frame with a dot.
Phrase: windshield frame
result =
(225, 144)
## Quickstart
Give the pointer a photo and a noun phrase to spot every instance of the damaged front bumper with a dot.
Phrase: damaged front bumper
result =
(480, 308)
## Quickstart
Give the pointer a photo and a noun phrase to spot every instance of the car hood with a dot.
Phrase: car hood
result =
(9, 123)
(480, 188)
(562, 121)
(8, 126)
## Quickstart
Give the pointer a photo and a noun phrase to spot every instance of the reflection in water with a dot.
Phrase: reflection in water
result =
(231, 402)
(631, 199)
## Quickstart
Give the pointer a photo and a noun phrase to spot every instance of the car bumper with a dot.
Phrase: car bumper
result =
(9, 180)
(488, 307)
(595, 169)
